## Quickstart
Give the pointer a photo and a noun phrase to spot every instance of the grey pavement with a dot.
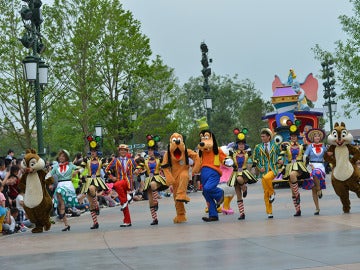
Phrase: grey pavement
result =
(325, 242)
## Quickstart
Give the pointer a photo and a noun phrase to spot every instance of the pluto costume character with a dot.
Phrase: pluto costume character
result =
(37, 201)
(175, 166)
(343, 156)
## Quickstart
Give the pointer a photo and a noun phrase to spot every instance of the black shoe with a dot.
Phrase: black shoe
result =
(125, 225)
(317, 212)
(270, 216)
(245, 192)
(320, 194)
(297, 214)
(221, 200)
(67, 228)
(95, 226)
(210, 219)
(242, 216)
(155, 222)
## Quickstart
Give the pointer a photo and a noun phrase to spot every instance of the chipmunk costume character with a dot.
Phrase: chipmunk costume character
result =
(175, 166)
(343, 156)
(37, 201)
(211, 158)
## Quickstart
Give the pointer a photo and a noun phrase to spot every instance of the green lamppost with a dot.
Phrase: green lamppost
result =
(35, 69)
(206, 71)
(330, 105)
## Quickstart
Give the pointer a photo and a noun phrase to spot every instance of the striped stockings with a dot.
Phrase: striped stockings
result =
(153, 212)
(94, 216)
(240, 204)
(296, 198)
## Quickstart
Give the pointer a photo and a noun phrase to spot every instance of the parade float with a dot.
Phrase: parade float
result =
(292, 107)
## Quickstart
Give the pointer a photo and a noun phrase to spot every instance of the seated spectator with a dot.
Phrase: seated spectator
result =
(84, 204)
(105, 199)
(9, 158)
(10, 184)
(22, 219)
(10, 226)
(3, 209)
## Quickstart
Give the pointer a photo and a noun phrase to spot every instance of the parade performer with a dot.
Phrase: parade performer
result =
(124, 168)
(343, 157)
(314, 154)
(267, 159)
(93, 182)
(241, 175)
(211, 157)
(64, 194)
(175, 166)
(154, 182)
(229, 192)
(296, 167)
(34, 183)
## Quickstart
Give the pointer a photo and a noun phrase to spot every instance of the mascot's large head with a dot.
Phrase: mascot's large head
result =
(339, 135)
(207, 138)
(32, 161)
(177, 149)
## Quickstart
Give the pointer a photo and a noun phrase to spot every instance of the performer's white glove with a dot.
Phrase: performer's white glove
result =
(229, 162)
(191, 162)
(48, 175)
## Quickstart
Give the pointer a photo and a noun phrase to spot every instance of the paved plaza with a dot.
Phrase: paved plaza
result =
(326, 242)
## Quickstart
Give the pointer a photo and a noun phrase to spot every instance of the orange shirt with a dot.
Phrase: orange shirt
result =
(208, 159)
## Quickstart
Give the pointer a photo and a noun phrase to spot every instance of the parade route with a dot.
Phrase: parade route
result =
(326, 242)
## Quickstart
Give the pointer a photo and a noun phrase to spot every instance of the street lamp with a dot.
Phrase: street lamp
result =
(330, 105)
(35, 69)
(133, 118)
(206, 71)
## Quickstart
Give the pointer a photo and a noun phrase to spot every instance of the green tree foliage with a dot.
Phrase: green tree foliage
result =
(17, 107)
(236, 104)
(104, 73)
(347, 60)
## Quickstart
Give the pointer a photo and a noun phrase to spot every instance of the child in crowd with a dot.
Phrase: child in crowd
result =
(10, 226)
(3, 209)
(22, 218)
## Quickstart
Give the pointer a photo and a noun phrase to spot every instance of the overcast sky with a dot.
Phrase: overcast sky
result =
(255, 39)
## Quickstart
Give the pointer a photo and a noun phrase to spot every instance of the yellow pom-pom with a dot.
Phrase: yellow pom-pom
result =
(241, 136)
(93, 144)
(293, 128)
(151, 143)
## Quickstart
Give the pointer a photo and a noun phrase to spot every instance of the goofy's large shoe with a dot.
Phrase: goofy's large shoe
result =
(210, 219)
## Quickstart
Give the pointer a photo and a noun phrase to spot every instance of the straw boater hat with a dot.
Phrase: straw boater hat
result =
(315, 131)
(123, 146)
(66, 153)
(268, 131)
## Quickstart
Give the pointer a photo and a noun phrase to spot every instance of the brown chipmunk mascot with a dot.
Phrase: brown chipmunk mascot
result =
(175, 166)
(343, 156)
(37, 201)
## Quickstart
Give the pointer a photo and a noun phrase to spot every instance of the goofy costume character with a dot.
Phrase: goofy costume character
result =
(211, 157)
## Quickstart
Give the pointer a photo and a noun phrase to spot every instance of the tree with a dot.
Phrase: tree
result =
(347, 60)
(103, 64)
(236, 103)
(17, 96)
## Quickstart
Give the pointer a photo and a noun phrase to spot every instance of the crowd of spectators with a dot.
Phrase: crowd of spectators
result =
(13, 218)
